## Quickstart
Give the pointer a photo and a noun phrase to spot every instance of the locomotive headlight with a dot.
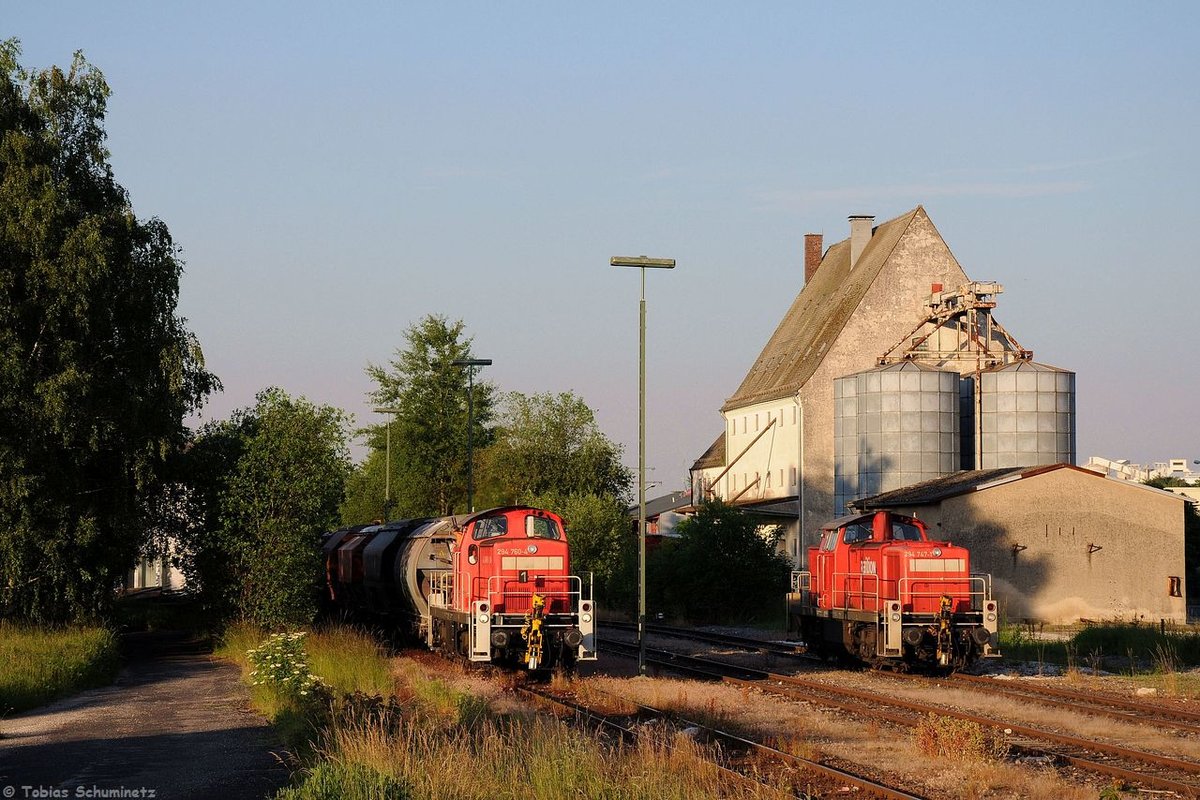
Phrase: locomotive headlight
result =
(991, 617)
(937, 552)
(483, 618)
(895, 617)
(586, 617)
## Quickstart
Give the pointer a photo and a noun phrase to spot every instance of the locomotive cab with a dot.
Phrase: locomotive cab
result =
(881, 591)
(511, 574)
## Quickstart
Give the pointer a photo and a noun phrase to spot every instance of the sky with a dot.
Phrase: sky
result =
(334, 174)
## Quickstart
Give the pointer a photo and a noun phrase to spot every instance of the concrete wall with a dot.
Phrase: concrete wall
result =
(1057, 517)
(892, 306)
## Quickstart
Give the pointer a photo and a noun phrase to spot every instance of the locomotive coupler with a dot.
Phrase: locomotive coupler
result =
(531, 631)
(945, 633)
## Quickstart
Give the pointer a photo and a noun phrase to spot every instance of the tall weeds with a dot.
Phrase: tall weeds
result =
(38, 665)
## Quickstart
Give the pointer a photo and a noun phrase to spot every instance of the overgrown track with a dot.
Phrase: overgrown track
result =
(1136, 766)
(734, 749)
(1176, 719)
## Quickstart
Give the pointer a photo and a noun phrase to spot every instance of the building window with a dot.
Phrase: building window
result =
(793, 415)
(768, 480)
(1175, 586)
(756, 422)
(792, 475)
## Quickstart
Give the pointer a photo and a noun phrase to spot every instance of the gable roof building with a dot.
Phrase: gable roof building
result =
(861, 297)
(1061, 543)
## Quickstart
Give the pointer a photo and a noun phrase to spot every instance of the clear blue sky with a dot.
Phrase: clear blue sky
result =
(335, 174)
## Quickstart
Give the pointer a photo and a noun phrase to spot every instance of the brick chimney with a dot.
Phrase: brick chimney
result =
(813, 249)
(860, 235)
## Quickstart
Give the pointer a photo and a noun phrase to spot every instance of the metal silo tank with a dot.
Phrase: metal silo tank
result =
(906, 429)
(1027, 415)
(845, 441)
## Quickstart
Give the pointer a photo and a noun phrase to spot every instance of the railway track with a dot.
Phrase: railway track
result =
(1179, 721)
(1174, 720)
(1152, 770)
(821, 780)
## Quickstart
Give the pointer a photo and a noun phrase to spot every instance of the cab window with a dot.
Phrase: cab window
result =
(829, 540)
(856, 533)
(491, 527)
(541, 528)
(906, 532)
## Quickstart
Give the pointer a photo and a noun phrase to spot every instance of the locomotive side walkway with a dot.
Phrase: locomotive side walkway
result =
(176, 724)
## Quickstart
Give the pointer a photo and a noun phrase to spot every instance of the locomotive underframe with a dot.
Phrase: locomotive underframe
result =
(892, 636)
(480, 637)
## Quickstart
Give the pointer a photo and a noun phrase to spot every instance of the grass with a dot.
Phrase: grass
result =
(958, 740)
(1113, 647)
(38, 665)
(433, 739)
(348, 662)
(483, 757)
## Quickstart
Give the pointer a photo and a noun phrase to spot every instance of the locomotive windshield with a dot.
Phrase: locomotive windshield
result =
(858, 532)
(491, 526)
(905, 532)
(541, 528)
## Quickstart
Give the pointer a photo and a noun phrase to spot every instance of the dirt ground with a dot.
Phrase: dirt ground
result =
(176, 724)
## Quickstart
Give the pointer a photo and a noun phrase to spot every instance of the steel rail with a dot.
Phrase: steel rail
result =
(1168, 762)
(1115, 702)
(761, 679)
(1079, 702)
(824, 770)
(762, 645)
(630, 733)
(870, 709)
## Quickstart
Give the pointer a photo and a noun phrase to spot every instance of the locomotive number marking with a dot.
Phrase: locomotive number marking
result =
(868, 567)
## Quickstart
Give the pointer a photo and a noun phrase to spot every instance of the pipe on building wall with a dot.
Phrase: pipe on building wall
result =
(800, 485)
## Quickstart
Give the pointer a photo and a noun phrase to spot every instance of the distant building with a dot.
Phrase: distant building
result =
(1062, 543)
(887, 369)
(1122, 469)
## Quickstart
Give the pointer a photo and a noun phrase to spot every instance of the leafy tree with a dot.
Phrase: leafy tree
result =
(723, 567)
(97, 371)
(550, 443)
(269, 482)
(602, 543)
(429, 429)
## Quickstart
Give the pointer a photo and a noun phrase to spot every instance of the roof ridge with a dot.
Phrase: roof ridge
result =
(819, 312)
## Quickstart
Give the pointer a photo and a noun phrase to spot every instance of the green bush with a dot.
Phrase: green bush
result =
(723, 568)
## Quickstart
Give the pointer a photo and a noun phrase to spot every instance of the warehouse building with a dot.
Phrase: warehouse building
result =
(1062, 543)
(888, 369)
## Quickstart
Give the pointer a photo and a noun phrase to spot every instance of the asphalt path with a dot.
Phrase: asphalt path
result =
(175, 724)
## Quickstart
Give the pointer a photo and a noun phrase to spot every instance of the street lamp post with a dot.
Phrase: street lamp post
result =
(387, 468)
(471, 364)
(642, 262)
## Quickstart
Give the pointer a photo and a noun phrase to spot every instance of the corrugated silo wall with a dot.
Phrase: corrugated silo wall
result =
(1027, 416)
(894, 426)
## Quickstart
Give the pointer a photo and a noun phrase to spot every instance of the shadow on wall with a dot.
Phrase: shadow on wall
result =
(1017, 577)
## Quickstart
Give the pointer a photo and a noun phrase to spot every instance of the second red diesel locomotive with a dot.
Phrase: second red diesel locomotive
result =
(880, 591)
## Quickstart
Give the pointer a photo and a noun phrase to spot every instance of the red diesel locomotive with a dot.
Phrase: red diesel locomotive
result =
(880, 591)
(493, 587)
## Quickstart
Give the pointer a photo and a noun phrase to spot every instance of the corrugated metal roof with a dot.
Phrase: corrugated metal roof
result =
(938, 489)
(817, 316)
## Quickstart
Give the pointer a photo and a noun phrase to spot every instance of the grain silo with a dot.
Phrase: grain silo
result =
(894, 425)
(1026, 415)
